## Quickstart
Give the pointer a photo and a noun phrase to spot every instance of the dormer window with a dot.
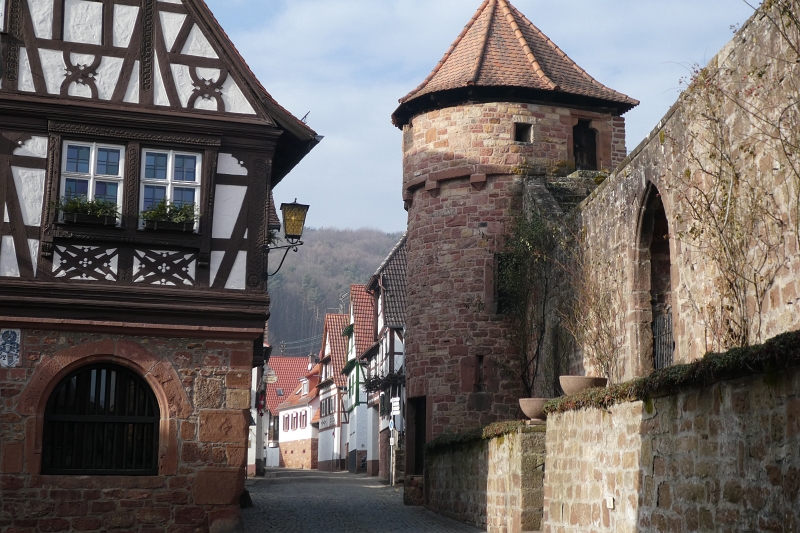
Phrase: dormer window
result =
(305, 388)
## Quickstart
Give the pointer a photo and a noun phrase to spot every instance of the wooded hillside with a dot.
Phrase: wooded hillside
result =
(316, 280)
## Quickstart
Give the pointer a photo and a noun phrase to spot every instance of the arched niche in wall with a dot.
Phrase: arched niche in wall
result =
(653, 285)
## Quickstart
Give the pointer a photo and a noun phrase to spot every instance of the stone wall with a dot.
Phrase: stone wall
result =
(743, 88)
(202, 387)
(300, 454)
(495, 484)
(722, 458)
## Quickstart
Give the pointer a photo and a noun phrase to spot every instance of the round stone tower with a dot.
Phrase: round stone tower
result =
(503, 100)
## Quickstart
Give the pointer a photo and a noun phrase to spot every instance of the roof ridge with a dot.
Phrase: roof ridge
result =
(537, 68)
(447, 54)
(391, 255)
(564, 56)
(481, 55)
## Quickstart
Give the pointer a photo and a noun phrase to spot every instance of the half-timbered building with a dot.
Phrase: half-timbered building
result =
(137, 157)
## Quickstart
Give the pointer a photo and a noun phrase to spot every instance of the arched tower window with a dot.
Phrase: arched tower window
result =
(656, 285)
(584, 145)
(101, 420)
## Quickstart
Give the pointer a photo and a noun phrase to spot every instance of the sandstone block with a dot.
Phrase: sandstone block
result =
(225, 426)
(218, 486)
(207, 393)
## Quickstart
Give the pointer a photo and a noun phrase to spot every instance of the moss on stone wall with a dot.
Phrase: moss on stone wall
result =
(492, 431)
(775, 355)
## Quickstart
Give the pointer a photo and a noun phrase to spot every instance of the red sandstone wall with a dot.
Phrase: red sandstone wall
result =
(300, 454)
(202, 386)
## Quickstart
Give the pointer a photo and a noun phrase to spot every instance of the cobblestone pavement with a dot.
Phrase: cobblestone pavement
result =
(321, 502)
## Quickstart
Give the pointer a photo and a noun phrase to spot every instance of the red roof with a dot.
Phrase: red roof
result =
(297, 398)
(499, 47)
(334, 325)
(363, 304)
(289, 370)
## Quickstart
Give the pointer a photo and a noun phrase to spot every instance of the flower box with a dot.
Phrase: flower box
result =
(165, 225)
(93, 220)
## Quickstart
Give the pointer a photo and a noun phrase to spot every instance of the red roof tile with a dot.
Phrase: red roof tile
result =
(499, 47)
(334, 325)
(289, 370)
(297, 398)
(363, 304)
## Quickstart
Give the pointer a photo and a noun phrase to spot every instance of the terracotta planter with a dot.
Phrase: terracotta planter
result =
(533, 407)
(576, 384)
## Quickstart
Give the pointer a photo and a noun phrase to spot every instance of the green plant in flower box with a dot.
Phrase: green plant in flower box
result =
(167, 212)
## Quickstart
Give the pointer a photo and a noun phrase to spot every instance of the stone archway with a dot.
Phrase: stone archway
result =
(652, 291)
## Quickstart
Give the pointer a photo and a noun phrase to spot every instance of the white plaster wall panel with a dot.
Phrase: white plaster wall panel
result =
(227, 164)
(8, 258)
(55, 71)
(80, 90)
(124, 22)
(171, 1)
(214, 263)
(30, 190)
(33, 246)
(183, 82)
(25, 81)
(170, 26)
(246, 232)
(234, 99)
(83, 21)
(228, 201)
(198, 45)
(2, 16)
(34, 147)
(238, 273)
(206, 104)
(5, 213)
(107, 76)
(81, 59)
(160, 97)
(210, 74)
(132, 92)
(42, 17)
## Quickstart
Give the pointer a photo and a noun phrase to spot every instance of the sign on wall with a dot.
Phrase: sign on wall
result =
(9, 347)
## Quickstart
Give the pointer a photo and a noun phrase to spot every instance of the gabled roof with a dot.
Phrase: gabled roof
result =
(298, 139)
(289, 371)
(334, 325)
(297, 398)
(363, 304)
(391, 279)
(499, 47)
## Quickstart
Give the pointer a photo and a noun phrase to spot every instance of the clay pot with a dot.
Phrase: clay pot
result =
(576, 384)
(533, 407)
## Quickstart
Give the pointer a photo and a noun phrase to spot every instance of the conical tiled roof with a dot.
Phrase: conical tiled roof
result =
(499, 47)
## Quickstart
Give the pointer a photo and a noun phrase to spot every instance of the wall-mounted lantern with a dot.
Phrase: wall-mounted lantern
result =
(294, 221)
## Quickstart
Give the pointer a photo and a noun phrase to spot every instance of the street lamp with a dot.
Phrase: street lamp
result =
(294, 221)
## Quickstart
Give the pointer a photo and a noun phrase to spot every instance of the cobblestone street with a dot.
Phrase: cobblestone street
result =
(310, 502)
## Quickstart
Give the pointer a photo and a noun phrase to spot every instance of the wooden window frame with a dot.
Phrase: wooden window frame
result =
(92, 177)
(169, 182)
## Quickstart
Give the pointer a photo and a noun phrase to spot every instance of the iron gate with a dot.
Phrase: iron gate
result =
(663, 344)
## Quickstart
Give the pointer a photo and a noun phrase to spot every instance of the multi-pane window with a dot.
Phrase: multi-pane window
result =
(286, 423)
(294, 421)
(92, 171)
(170, 176)
(303, 420)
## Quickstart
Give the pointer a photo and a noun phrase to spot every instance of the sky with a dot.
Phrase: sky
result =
(346, 63)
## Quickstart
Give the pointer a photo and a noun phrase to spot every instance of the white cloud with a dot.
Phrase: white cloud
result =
(348, 62)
